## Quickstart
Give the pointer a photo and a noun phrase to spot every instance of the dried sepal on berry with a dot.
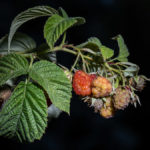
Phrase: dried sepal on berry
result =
(97, 104)
(87, 100)
(140, 83)
(135, 99)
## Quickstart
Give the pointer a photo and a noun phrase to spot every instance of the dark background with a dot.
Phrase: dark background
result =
(83, 129)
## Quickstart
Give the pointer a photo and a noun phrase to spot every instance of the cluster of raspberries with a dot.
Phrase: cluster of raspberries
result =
(89, 84)
(96, 87)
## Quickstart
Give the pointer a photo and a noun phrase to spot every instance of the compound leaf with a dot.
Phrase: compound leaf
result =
(123, 50)
(20, 42)
(27, 15)
(62, 12)
(54, 81)
(11, 66)
(92, 43)
(24, 115)
(106, 52)
(56, 25)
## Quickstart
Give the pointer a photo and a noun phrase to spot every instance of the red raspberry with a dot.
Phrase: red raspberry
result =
(92, 76)
(82, 83)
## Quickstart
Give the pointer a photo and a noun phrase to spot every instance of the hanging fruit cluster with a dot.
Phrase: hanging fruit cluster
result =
(31, 77)
(105, 82)
(106, 98)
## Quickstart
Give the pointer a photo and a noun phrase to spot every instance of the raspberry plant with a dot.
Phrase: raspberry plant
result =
(23, 112)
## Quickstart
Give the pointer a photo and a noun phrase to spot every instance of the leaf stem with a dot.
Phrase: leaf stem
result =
(31, 61)
(84, 67)
(73, 66)
(117, 71)
(60, 48)
(30, 66)
(26, 55)
(78, 49)
(64, 39)
(112, 60)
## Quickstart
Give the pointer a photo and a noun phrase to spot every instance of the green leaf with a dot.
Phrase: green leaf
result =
(95, 40)
(128, 74)
(129, 64)
(62, 12)
(27, 15)
(131, 71)
(12, 66)
(123, 50)
(106, 52)
(92, 43)
(24, 115)
(80, 21)
(20, 42)
(55, 26)
(54, 81)
(92, 47)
